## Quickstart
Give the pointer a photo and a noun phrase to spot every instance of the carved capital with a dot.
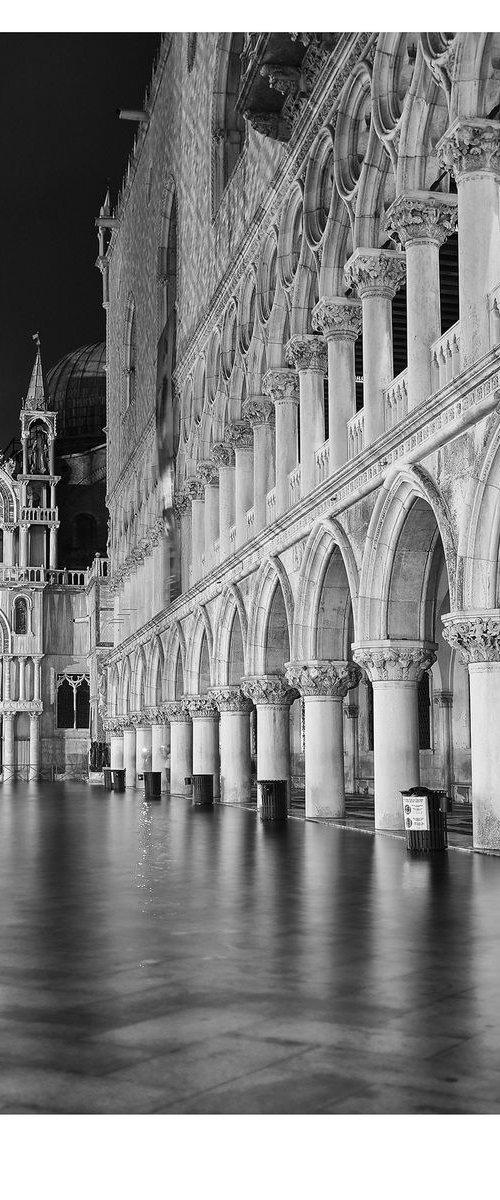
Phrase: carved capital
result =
(139, 720)
(422, 217)
(307, 353)
(175, 711)
(352, 711)
(443, 699)
(395, 661)
(223, 454)
(230, 698)
(338, 317)
(282, 386)
(208, 473)
(474, 635)
(470, 146)
(258, 410)
(180, 504)
(270, 690)
(375, 272)
(113, 726)
(239, 434)
(201, 706)
(323, 677)
(154, 714)
(194, 489)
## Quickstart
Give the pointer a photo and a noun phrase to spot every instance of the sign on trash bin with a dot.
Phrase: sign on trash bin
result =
(416, 812)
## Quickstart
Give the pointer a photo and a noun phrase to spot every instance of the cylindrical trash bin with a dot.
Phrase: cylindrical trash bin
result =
(118, 774)
(108, 779)
(203, 790)
(424, 819)
(274, 799)
(152, 785)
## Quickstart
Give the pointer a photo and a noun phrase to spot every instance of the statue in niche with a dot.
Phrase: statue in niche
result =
(38, 457)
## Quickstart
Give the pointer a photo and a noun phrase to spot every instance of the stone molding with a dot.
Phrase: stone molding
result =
(470, 145)
(230, 698)
(323, 677)
(180, 504)
(113, 725)
(239, 434)
(375, 272)
(474, 635)
(208, 473)
(282, 385)
(352, 711)
(155, 715)
(395, 661)
(139, 720)
(270, 690)
(10, 707)
(258, 410)
(175, 711)
(422, 217)
(201, 706)
(194, 489)
(222, 454)
(338, 317)
(443, 699)
(307, 352)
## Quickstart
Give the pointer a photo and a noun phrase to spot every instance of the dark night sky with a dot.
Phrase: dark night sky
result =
(61, 140)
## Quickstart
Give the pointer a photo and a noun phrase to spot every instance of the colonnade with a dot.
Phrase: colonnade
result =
(9, 765)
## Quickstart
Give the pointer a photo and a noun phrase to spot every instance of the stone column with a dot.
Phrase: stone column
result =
(444, 702)
(36, 676)
(142, 746)
(394, 669)
(205, 717)
(34, 766)
(259, 411)
(422, 221)
(194, 489)
(223, 457)
(235, 767)
(209, 477)
(324, 685)
(182, 513)
(116, 753)
(476, 637)
(181, 747)
(339, 320)
(470, 150)
(53, 546)
(129, 743)
(8, 544)
(377, 275)
(8, 745)
(307, 353)
(283, 388)
(160, 739)
(22, 678)
(23, 544)
(239, 435)
(352, 713)
(272, 697)
(7, 670)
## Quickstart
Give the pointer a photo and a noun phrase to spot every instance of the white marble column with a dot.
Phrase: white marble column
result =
(239, 435)
(282, 386)
(308, 354)
(116, 755)
(182, 513)
(142, 746)
(34, 763)
(8, 746)
(223, 457)
(235, 766)
(422, 221)
(377, 275)
(160, 740)
(7, 676)
(209, 476)
(22, 678)
(259, 411)
(351, 713)
(205, 717)
(37, 661)
(23, 544)
(470, 150)
(129, 761)
(394, 669)
(272, 697)
(8, 544)
(324, 684)
(53, 546)
(181, 747)
(193, 488)
(444, 704)
(339, 319)
(476, 638)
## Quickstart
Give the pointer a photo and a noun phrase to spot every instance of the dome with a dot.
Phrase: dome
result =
(77, 390)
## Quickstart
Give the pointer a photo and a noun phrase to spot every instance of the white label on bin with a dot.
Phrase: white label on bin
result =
(416, 812)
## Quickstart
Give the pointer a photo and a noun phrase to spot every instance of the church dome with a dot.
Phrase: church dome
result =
(76, 387)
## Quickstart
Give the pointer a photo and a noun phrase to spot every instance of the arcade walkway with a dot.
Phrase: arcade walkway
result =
(162, 959)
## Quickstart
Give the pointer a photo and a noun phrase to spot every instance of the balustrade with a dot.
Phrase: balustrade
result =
(445, 357)
(294, 478)
(232, 538)
(494, 307)
(38, 516)
(271, 506)
(396, 400)
(250, 522)
(355, 434)
(322, 457)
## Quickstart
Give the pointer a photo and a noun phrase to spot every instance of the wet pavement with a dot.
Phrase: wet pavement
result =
(161, 959)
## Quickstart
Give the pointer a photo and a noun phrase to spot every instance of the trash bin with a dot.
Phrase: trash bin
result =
(203, 790)
(118, 779)
(274, 799)
(152, 785)
(424, 820)
(108, 779)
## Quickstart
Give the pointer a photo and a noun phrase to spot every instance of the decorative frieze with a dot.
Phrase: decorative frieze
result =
(282, 386)
(201, 706)
(269, 690)
(113, 726)
(208, 473)
(474, 635)
(307, 353)
(469, 146)
(323, 677)
(175, 711)
(395, 661)
(230, 698)
(222, 454)
(422, 217)
(375, 272)
(239, 434)
(180, 504)
(258, 410)
(338, 317)
(194, 489)
(351, 711)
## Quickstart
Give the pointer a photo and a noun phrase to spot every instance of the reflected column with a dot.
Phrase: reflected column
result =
(129, 742)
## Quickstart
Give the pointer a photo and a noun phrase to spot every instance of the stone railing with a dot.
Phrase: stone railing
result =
(232, 537)
(271, 506)
(445, 357)
(39, 515)
(294, 486)
(356, 434)
(396, 400)
(250, 521)
(322, 459)
(43, 575)
(494, 307)
(216, 550)
(99, 568)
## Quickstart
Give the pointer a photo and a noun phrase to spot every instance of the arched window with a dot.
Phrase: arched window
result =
(73, 702)
(82, 694)
(229, 125)
(130, 341)
(20, 615)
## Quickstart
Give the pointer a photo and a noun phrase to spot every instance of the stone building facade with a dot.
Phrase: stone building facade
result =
(301, 279)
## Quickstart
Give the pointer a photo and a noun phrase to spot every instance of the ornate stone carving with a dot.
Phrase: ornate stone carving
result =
(269, 124)
(194, 489)
(338, 317)
(154, 715)
(476, 636)
(375, 272)
(230, 698)
(282, 386)
(351, 711)
(239, 434)
(323, 677)
(113, 726)
(284, 79)
(139, 720)
(268, 690)
(258, 410)
(201, 706)
(176, 711)
(223, 454)
(208, 473)
(470, 145)
(307, 353)
(395, 661)
(180, 504)
(422, 216)
(443, 699)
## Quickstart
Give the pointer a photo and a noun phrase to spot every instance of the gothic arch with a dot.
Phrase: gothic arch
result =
(175, 647)
(325, 539)
(231, 608)
(8, 502)
(228, 126)
(271, 573)
(139, 673)
(5, 634)
(154, 673)
(201, 628)
(113, 691)
(125, 687)
(481, 532)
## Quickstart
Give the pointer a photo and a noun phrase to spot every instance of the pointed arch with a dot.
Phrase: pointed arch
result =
(480, 542)
(175, 650)
(201, 629)
(155, 672)
(231, 608)
(271, 573)
(324, 540)
(138, 680)
(125, 687)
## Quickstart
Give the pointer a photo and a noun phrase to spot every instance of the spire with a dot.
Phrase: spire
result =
(106, 207)
(36, 398)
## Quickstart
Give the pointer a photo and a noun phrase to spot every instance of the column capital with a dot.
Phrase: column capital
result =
(352, 711)
(139, 720)
(154, 714)
(194, 489)
(208, 473)
(176, 711)
(113, 725)
(201, 706)
(180, 504)
(282, 385)
(270, 690)
(375, 272)
(230, 698)
(395, 661)
(323, 677)
(338, 317)
(127, 725)
(222, 454)
(307, 352)
(239, 434)
(422, 217)
(258, 410)
(443, 699)
(470, 146)
(474, 635)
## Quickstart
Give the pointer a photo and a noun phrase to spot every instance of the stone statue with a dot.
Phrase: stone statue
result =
(38, 459)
